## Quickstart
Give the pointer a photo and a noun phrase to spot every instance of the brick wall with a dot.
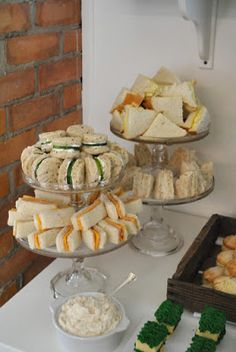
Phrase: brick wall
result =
(40, 90)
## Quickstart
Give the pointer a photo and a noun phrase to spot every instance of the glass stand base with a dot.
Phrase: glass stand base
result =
(72, 281)
(157, 239)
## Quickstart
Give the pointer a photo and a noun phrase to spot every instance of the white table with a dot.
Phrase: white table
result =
(25, 321)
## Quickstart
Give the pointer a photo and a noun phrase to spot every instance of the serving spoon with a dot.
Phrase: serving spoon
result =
(130, 278)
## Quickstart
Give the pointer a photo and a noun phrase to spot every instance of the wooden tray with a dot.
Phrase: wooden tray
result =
(185, 285)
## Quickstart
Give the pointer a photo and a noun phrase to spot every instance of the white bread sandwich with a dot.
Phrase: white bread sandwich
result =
(68, 239)
(47, 171)
(143, 185)
(53, 218)
(171, 107)
(46, 138)
(22, 229)
(94, 238)
(117, 163)
(165, 77)
(114, 206)
(161, 127)
(198, 121)
(116, 230)
(137, 121)
(127, 97)
(57, 198)
(78, 174)
(95, 144)
(133, 205)
(164, 185)
(64, 173)
(184, 90)
(98, 169)
(181, 154)
(79, 130)
(30, 205)
(42, 239)
(117, 121)
(66, 147)
(132, 224)
(36, 163)
(142, 154)
(32, 149)
(89, 216)
(145, 86)
(27, 163)
(13, 216)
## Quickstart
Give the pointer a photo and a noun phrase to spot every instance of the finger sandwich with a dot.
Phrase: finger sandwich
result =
(164, 185)
(115, 147)
(28, 162)
(117, 163)
(95, 144)
(132, 224)
(35, 165)
(95, 238)
(117, 121)
(53, 218)
(57, 198)
(171, 107)
(68, 239)
(198, 121)
(114, 206)
(143, 185)
(133, 205)
(126, 97)
(89, 216)
(77, 174)
(46, 138)
(22, 229)
(79, 130)
(66, 147)
(47, 171)
(145, 86)
(97, 169)
(13, 216)
(42, 239)
(184, 90)
(137, 121)
(116, 230)
(30, 205)
(165, 77)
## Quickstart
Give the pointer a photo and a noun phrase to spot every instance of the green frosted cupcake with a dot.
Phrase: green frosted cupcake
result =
(202, 344)
(169, 314)
(151, 337)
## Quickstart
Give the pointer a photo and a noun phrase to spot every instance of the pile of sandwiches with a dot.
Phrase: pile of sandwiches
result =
(184, 177)
(159, 107)
(47, 220)
(73, 159)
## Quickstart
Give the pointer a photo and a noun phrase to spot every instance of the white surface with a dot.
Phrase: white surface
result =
(25, 320)
(126, 37)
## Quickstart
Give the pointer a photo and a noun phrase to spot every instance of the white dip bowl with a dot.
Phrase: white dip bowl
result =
(102, 343)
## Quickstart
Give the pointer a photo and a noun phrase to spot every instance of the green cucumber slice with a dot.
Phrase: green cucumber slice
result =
(100, 168)
(94, 145)
(37, 166)
(66, 147)
(69, 170)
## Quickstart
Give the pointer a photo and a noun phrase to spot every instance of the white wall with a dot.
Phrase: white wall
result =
(122, 38)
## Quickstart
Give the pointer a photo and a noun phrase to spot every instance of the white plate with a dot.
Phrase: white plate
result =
(181, 339)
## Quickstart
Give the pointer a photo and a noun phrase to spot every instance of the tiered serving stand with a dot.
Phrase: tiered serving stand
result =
(158, 238)
(78, 278)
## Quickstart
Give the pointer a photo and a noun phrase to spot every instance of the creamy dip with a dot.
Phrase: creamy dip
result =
(89, 315)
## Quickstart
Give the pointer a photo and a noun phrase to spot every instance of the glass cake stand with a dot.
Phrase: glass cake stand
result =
(157, 238)
(78, 278)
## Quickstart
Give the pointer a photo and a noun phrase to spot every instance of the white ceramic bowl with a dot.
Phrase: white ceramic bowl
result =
(104, 343)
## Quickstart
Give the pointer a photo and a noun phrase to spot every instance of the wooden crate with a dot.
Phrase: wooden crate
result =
(185, 285)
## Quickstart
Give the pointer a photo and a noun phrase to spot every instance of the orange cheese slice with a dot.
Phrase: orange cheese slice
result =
(39, 222)
(131, 219)
(66, 235)
(116, 204)
(85, 211)
(96, 236)
(36, 240)
(120, 227)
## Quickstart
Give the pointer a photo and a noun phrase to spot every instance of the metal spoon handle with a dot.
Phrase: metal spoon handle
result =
(131, 278)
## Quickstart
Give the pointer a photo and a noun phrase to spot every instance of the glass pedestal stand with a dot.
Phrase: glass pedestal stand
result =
(78, 278)
(157, 238)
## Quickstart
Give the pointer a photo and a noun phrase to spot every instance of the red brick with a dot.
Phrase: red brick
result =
(6, 243)
(15, 265)
(65, 121)
(16, 85)
(59, 72)
(10, 150)
(29, 48)
(72, 95)
(30, 112)
(17, 174)
(36, 267)
(4, 184)
(53, 12)
(72, 41)
(14, 17)
(7, 293)
(2, 121)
